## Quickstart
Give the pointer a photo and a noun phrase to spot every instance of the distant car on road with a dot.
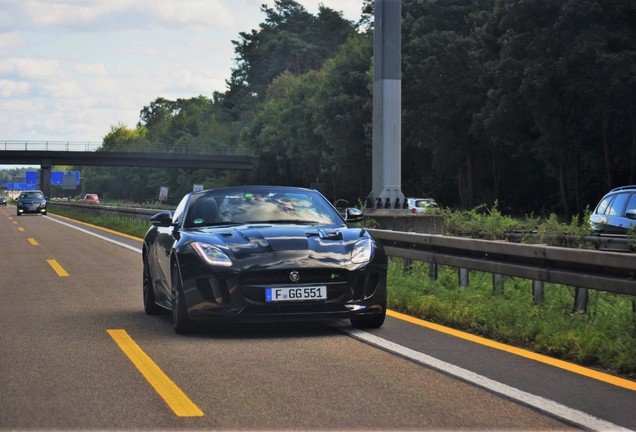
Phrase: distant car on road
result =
(616, 212)
(31, 201)
(91, 198)
(3, 200)
(261, 253)
(418, 205)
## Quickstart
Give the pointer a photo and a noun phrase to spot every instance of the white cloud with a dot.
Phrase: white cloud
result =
(91, 69)
(10, 89)
(30, 68)
(71, 69)
(9, 41)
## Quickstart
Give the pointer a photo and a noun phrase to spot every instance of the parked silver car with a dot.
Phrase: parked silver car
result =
(616, 212)
(418, 205)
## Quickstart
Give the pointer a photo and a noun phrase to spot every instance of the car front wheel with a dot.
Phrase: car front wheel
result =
(180, 319)
(150, 306)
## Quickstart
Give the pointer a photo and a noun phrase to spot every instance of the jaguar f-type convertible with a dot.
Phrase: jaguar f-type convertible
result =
(262, 253)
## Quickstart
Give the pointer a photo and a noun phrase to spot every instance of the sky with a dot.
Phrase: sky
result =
(70, 70)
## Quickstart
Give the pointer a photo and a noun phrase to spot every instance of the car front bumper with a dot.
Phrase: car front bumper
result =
(240, 296)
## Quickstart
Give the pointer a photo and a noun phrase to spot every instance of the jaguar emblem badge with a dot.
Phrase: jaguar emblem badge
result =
(294, 276)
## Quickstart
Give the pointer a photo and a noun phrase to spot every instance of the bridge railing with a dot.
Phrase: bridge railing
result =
(86, 146)
(16, 145)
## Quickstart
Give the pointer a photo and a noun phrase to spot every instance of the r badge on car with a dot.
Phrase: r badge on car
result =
(294, 276)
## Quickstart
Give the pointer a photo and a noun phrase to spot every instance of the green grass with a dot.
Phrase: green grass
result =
(126, 225)
(603, 337)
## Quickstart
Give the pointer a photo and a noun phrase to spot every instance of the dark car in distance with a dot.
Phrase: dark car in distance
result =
(262, 253)
(3, 200)
(31, 201)
(616, 212)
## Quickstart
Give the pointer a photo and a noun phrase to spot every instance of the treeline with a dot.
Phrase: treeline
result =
(530, 104)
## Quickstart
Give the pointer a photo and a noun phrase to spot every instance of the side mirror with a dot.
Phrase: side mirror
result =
(631, 214)
(353, 215)
(162, 219)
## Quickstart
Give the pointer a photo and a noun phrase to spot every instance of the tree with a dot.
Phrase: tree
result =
(441, 92)
(290, 39)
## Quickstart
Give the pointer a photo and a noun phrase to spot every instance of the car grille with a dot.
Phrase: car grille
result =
(282, 277)
(252, 285)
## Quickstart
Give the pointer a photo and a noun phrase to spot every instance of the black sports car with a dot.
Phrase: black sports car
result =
(260, 253)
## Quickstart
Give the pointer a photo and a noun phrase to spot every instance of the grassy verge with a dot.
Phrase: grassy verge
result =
(126, 225)
(603, 337)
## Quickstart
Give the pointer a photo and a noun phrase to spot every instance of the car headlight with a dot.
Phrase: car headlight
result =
(362, 251)
(212, 254)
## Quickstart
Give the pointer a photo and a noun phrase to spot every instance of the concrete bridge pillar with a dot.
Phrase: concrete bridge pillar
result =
(45, 180)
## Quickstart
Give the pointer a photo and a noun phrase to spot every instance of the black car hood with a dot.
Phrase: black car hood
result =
(266, 245)
(31, 201)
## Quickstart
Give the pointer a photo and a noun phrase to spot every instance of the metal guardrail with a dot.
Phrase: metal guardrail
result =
(581, 268)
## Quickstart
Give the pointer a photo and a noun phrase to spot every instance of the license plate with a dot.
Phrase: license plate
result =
(295, 293)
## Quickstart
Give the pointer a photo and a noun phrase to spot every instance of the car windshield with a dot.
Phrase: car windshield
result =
(37, 195)
(260, 205)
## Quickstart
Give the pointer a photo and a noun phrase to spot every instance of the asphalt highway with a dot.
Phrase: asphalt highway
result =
(78, 352)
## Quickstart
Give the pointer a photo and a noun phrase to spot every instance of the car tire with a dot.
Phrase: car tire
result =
(180, 319)
(150, 306)
(43, 213)
(368, 321)
(19, 214)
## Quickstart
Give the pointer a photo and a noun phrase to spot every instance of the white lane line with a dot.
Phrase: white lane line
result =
(553, 408)
(132, 248)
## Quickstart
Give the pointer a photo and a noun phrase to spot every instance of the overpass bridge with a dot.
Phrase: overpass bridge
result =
(51, 153)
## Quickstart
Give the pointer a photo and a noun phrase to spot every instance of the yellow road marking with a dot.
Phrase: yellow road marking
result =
(57, 267)
(590, 373)
(33, 242)
(20, 229)
(180, 404)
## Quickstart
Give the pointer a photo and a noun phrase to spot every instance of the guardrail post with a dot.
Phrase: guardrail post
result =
(463, 277)
(537, 292)
(408, 265)
(432, 270)
(580, 299)
(497, 283)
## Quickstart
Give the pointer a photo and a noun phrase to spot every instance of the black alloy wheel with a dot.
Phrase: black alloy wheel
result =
(180, 319)
(150, 306)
